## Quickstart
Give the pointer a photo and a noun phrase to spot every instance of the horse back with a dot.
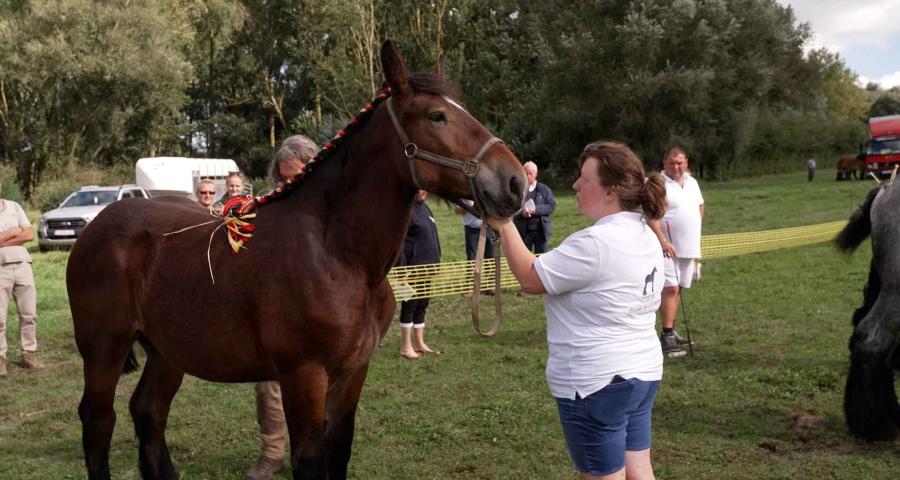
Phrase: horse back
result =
(112, 266)
(154, 267)
(123, 237)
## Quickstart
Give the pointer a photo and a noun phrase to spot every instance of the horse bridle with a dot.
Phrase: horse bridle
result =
(469, 168)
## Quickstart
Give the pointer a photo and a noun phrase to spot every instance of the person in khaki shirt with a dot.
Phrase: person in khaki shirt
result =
(289, 160)
(17, 279)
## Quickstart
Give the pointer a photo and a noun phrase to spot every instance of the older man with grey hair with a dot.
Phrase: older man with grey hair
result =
(291, 158)
(533, 222)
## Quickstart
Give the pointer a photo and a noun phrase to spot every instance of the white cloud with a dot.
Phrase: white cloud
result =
(885, 81)
(840, 24)
(864, 32)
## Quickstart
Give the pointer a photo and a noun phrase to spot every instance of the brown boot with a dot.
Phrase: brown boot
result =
(3, 372)
(30, 362)
(264, 469)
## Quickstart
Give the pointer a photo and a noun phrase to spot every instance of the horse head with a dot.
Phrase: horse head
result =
(447, 151)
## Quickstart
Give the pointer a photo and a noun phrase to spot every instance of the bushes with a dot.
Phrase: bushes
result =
(49, 194)
(54, 189)
(781, 142)
(9, 188)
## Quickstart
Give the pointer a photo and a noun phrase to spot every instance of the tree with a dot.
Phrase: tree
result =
(885, 105)
(98, 85)
(726, 79)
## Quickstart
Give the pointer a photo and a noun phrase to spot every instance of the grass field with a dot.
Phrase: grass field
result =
(760, 399)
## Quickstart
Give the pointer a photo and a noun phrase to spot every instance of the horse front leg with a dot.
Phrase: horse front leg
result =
(149, 407)
(341, 413)
(304, 391)
(870, 402)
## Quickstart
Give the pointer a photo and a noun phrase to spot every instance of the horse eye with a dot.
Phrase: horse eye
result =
(437, 117)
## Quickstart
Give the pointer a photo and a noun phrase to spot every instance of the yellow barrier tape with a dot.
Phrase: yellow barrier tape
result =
(413, 282)
(730, 244)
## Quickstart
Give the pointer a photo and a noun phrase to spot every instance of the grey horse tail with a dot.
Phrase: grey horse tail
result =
(859, 227)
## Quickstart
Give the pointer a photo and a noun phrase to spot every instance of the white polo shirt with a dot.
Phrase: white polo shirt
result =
(683, 216)
(603, 289)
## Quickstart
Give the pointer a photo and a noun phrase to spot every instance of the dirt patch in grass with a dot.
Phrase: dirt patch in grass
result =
(804, 425)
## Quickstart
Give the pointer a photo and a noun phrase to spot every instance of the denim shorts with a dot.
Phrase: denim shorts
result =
(602, 426)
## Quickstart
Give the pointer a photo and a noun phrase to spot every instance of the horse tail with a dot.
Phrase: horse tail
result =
(859, 227)
(131, 363)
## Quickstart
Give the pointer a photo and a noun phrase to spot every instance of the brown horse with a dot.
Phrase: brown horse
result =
(851, 167)
(306, 302)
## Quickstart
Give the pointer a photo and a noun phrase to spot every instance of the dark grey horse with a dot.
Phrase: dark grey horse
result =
(870, 402)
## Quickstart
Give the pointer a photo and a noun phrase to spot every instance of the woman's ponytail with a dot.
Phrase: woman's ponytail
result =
(653, 196)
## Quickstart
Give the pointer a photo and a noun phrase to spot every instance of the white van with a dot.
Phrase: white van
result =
(180, 175)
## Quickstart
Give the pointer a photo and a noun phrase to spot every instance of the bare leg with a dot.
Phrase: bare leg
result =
(668, 308)
(406, 347)
(149, 407)
(638, 466)
(421, 347)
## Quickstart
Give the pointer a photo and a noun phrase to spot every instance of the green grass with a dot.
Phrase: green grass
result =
(771, 332)
(779, 201)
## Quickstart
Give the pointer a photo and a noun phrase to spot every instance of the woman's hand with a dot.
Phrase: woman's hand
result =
(668, 249)
(497, 223)
(518, 257)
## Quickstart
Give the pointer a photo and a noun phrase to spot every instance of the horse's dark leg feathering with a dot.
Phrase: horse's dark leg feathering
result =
(870, 401)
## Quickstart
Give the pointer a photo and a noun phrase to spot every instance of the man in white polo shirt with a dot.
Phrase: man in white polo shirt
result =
(679, 235)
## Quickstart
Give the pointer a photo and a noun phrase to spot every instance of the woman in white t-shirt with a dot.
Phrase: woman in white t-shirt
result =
(601, 290)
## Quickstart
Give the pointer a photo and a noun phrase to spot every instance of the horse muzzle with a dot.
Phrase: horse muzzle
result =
(500, 185)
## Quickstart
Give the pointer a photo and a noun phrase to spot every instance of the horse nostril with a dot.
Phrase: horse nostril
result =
(515, 186)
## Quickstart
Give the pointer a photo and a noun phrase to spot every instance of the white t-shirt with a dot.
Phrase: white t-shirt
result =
(603, 289)
(683, 216)
(468, 219)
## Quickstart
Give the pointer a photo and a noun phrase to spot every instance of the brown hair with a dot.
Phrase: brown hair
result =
(672, 151)
(620, 168)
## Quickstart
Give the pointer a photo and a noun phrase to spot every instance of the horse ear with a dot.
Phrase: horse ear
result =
(394, 70)
(439, 68)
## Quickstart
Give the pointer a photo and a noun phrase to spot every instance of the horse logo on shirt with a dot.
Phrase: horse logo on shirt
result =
(649, 280)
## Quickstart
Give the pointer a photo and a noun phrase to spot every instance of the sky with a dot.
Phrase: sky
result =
(866, 33)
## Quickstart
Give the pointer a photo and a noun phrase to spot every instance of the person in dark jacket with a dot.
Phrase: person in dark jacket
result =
(421, 247)
(533, 222)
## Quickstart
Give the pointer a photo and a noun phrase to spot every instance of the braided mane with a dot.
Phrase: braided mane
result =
(238, 212)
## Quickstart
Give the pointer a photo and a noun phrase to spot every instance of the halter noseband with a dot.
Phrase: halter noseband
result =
(469, 168)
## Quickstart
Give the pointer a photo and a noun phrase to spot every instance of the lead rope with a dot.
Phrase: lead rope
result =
(476, 283)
